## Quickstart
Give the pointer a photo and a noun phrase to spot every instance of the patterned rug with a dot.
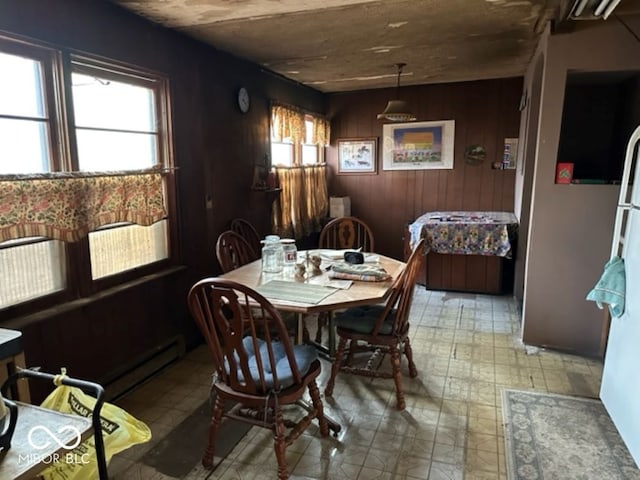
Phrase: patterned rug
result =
(555, 437)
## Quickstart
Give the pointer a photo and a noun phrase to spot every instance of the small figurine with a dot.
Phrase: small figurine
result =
(316, 261)
(300, 270)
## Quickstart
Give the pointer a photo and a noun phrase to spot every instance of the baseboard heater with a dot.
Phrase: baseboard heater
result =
(143, 367)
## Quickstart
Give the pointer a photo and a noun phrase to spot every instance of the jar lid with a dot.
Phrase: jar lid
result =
(270, 238)
(287, 240)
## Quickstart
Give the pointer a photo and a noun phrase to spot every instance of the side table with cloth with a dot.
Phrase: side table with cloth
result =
(467, 250)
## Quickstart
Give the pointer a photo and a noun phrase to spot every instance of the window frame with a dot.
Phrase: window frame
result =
(297, 149)
(117, 71)
(57, 67)
(50, 60)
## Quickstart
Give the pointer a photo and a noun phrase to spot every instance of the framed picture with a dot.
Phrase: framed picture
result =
(357, 156)
(510, 156)
(418, 145)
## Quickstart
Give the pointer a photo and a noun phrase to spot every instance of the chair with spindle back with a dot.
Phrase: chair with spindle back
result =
(383, 329)
(347, 232)
(233, 251)
(342, 233)
(247, 231)
(256, 369)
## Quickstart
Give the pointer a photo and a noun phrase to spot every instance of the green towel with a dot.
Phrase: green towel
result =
(611, 287)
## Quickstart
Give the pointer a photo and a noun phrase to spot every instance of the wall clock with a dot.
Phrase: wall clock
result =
(244, 101)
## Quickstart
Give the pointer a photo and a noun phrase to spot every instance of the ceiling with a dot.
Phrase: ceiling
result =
(342, 45)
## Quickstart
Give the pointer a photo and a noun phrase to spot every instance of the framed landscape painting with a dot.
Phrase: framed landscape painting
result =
(418, 145)
(357, 156)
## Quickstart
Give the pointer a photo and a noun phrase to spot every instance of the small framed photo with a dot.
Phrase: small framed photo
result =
(357, 156)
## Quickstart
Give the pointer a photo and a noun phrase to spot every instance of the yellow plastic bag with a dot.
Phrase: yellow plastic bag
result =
(119, 429)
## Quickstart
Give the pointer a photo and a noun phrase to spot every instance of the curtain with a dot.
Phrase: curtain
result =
(303, 202)
(321, 132)
(287, 124)
(67, 206)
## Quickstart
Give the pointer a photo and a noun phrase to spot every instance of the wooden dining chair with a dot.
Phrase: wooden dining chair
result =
(347, 232)
(258, 373)
(383, 329)
(233, 251)
(247, 231)
(342, 233)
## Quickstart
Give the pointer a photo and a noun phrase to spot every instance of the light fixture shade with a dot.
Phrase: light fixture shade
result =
(397, 111)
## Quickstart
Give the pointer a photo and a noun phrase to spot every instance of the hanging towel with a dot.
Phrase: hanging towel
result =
(610, 288)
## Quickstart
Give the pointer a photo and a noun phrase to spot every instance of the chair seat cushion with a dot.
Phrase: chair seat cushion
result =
(304, 356)
(363, 319)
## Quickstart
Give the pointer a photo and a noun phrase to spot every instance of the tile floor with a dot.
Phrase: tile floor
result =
(466, 349)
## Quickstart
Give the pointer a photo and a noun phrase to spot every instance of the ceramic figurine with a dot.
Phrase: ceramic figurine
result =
(300, 270)
(316, 261)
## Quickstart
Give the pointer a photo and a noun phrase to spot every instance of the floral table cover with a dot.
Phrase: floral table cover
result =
(466, 233)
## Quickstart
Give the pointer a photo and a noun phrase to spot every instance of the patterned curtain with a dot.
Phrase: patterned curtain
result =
(287, 124)
(67, 206)
(321, 132)
(303, 202)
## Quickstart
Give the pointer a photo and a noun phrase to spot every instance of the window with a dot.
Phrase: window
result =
(118, 120)
(287, 150)
(30, 267)
(282, 153)
(118, 128)
(297, 156)
(24, 125)
(310, 150)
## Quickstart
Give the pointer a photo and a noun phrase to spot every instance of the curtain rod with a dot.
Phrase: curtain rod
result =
(292, 167)
(57, 175)
(278, 103)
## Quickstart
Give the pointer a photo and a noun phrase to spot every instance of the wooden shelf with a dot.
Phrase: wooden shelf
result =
(266, 190)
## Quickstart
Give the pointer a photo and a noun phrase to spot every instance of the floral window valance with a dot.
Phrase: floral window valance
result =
(67, 206)
(289, 124)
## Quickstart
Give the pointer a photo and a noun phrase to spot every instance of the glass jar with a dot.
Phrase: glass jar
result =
(272, 254)
(290, 254)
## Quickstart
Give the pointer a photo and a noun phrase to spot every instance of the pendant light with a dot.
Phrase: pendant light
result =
(397, 110)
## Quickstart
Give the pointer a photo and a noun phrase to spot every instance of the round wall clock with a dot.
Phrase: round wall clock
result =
(243, 100)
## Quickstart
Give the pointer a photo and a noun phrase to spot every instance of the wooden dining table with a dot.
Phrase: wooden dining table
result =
(316, 293)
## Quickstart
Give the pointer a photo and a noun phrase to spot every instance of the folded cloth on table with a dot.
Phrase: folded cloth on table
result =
(611, 287)
(367, 273)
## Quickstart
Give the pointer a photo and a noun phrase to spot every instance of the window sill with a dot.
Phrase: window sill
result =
(21, 322)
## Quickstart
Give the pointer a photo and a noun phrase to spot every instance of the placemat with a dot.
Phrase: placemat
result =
(294, 291)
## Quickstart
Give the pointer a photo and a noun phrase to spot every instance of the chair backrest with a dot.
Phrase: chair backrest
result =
(347, 232)
(402, 294)
(247, 231)
(239, 326)
(233, 251)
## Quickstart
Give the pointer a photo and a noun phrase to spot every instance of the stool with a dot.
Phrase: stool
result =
(11, 357)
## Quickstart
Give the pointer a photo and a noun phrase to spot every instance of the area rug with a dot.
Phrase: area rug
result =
(181, 450)
(556, 437)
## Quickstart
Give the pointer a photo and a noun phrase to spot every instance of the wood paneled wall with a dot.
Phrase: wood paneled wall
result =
(485, 112)
(215, 149)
